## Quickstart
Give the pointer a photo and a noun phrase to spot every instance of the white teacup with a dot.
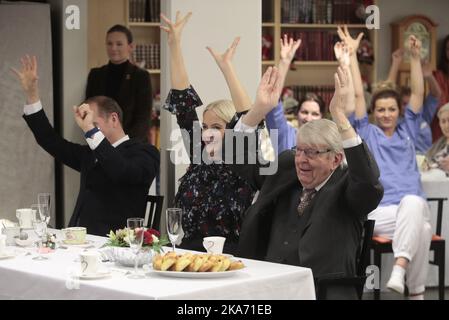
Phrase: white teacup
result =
(214, 245)
(26, 217)
(74, 235)
(89, 263)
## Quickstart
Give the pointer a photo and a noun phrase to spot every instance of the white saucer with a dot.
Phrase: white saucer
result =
(24, 243)
(87, 243)
(99, 275)
(7, 255)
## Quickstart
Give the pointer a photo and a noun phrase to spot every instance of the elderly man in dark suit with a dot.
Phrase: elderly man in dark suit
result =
(116, 171)
(310, 213)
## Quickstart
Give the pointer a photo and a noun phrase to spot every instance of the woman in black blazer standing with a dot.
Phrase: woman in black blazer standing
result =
(123, 81)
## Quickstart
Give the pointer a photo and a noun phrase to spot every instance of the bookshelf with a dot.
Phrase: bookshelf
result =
(142, 18)
(315, 22)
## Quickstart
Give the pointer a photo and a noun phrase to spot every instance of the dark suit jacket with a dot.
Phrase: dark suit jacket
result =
(134, 97)
(329, 238)
(114, 181)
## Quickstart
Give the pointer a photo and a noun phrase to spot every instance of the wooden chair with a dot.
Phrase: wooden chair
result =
(382, 245)
(153, 215)
(363, 258)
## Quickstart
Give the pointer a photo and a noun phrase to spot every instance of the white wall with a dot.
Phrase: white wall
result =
(394, 10)
(25, 168)
(214, 23)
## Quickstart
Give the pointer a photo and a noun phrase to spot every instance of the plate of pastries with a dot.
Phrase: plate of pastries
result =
(190, 265)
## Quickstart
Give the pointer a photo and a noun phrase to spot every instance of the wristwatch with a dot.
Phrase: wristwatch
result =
(344, 127)
(91, 132)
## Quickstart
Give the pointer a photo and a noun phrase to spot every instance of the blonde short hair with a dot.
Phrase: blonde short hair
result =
(224, 109)
(443, 109)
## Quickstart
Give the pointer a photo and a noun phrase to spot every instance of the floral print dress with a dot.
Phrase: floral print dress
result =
(212, 197)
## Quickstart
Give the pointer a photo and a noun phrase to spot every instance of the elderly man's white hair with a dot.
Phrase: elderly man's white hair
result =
(320, 133)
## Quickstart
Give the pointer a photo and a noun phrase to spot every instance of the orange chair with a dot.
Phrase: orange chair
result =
(438, 245)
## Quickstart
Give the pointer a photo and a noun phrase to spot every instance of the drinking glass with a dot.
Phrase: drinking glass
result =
(40, 228)
(135, 240)
(174, 222)
(43, 200)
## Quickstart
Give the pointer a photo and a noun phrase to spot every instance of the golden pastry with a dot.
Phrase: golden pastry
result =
(236, 265)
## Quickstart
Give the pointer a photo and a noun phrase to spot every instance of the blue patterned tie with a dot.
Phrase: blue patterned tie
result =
(305, 199)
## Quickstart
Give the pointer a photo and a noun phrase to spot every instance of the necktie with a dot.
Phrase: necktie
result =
(305, 199)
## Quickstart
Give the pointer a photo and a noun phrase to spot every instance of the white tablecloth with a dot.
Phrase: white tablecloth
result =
(24, 278)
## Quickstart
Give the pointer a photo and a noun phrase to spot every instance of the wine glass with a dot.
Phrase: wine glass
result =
(174, 222)
(135, 240)
(40, 228)
(43, 200)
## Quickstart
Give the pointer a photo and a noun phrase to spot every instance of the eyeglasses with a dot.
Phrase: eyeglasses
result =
(311, 153)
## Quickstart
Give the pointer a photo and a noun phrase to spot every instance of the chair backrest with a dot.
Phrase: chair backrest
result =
(440, 202)
(363, 257)
(153, 215)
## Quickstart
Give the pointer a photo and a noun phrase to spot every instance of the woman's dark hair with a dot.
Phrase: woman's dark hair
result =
(443, 64)
(122, 29)
(385, 94)
(310, 96)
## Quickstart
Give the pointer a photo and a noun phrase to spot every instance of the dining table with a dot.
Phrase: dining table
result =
(59, 278)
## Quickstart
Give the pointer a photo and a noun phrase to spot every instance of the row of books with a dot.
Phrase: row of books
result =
(325, 92)
(324, 11)
(147, 56)
(144, 10)
(316, 45)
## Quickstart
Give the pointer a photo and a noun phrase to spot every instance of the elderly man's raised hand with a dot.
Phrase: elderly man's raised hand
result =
(28, 78)
(174, 29)
(343, 92)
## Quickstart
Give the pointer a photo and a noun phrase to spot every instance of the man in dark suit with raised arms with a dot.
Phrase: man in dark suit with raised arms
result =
(116, 171)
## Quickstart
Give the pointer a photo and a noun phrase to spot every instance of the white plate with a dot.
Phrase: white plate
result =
(197, 275)
(99, 275)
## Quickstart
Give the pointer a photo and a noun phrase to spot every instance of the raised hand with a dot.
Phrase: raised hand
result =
(174, 30)
(288, 49)
(28, 78)
(444, 164)
(397, 56)
(414, 46)
(341, 51)
(268, 92)
(426, 69)
(344, 92)
(225, 59)
(345, 36)
(84, 117)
